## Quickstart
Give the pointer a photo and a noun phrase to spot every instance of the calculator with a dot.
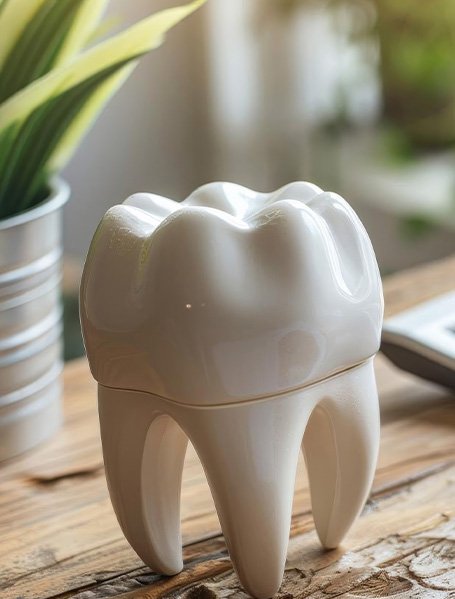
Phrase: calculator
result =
(422, 340)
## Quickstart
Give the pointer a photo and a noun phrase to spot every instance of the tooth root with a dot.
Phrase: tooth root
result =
(250, 453)
(144, 451)
(340, 446)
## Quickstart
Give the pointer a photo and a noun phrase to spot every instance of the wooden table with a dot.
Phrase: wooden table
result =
(59, 536)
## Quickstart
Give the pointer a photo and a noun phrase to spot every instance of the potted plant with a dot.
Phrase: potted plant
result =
(53, 84)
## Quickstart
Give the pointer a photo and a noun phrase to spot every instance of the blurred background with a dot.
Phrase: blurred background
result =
(357, 96)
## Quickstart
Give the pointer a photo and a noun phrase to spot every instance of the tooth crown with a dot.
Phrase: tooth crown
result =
(230, 295)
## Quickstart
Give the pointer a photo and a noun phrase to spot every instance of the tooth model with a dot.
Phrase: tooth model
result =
(246, 322)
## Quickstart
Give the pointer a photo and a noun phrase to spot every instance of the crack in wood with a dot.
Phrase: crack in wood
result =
(433, 455)
(69, 474)
(388, 490)
(380, 584)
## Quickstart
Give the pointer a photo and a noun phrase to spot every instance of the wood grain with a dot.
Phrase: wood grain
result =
(59, 536)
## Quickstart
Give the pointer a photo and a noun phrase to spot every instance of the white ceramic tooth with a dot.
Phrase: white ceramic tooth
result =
(144, 451)
(340, 446)
(249, 453)
(236, 316)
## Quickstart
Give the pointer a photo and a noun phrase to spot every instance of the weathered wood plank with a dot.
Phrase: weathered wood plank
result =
(405, 557)
(59, 536)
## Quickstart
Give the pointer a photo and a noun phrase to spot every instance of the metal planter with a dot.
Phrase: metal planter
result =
(30, 324)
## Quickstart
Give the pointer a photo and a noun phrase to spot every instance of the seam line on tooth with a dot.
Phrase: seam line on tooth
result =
(251, 400)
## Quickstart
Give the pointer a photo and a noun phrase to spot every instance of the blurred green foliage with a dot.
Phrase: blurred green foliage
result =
(417, 45)
(414, 227)
(416, 41)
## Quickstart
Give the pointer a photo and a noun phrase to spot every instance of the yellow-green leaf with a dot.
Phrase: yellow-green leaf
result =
(14, 17)
(54, 34)
(87, 20)
(86, 117)
(26, 146)
(136, 40)
(105, 27)
(41, 125)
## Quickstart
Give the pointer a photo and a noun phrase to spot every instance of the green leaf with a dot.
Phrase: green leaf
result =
(138, 39)
(36, 138)
(41, 125)
(85, 119)
(105, 27)
(56, 31)
(14, 17)
(86, 22)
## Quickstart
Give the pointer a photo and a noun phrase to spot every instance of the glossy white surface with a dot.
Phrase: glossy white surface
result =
(249, 452)
(230, 295)
(245, 322)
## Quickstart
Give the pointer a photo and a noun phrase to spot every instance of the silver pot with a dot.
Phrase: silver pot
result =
(31, 324)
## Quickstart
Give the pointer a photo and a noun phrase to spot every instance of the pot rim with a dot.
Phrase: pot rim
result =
(59, 194)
